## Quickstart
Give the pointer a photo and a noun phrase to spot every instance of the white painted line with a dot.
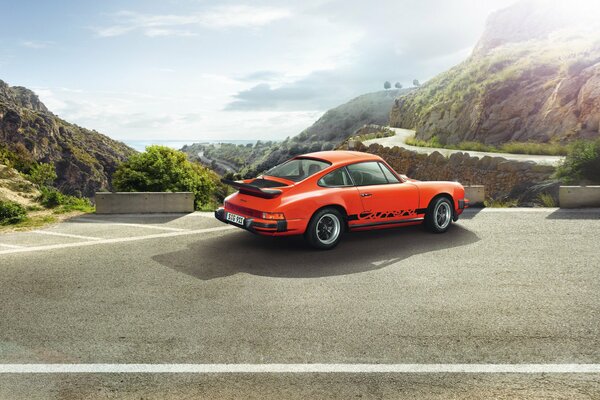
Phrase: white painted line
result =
(114, 240)
(104, 222)
(301, 368)
(11, 246)
(203, 214)
(66, 235)
(532, 209)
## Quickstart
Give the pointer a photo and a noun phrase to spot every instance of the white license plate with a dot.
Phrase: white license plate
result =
(236, 219)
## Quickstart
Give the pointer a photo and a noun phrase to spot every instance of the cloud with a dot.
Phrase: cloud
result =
(37, 44)
(219, 17)
(408, 41)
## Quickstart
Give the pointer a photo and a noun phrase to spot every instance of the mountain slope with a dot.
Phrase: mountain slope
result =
(84, 159)
(533, 76)
(335, 126)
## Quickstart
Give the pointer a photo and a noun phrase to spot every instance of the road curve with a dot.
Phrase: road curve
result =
(399, 139)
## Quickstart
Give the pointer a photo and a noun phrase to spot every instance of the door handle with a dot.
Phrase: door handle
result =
(366, 194)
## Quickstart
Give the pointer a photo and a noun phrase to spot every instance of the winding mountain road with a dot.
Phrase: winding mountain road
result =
(399, 139)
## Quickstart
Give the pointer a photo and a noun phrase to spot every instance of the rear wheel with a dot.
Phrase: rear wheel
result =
(325, 229)
(439, 215)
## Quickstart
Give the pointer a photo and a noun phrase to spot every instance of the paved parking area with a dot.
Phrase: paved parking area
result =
(503, 290)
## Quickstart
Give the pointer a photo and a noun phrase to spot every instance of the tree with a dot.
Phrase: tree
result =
(387, 85)
(162, 169)
(398, 85)
(416, 83)
(582, 164)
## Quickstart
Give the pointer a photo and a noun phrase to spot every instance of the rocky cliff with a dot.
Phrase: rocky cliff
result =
(533, 76)
(84, 159)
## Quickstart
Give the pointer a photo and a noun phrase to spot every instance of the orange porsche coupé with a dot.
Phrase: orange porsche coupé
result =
(321, 195)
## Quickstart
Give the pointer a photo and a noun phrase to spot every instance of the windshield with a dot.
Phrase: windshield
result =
(297, 169)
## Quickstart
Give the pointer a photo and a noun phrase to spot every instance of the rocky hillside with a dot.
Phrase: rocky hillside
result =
(84, 159)
(533, 76)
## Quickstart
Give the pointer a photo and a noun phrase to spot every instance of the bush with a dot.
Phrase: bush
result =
(51, 198)
(582, 164)
(162, 169)
(11, 213)
(42, 174)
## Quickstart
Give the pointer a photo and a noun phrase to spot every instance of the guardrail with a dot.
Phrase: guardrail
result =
(144, 202)
(579, 196)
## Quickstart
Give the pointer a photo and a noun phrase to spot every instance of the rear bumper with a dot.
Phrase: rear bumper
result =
(462, 204)
(254, 226)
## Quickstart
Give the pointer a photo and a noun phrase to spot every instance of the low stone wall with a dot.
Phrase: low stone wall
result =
(144, 202)
(579, 196)
(502, 178)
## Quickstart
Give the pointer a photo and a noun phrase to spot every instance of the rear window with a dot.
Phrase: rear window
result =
(297, 169)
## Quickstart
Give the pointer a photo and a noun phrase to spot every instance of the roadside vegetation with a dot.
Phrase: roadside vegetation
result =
(162, 169)
(28, 198)
(532, 148)
(582, 164)
(381, 133)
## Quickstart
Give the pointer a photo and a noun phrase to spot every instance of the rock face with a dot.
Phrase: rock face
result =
(84, 159)
(502, 178)
(533, 76)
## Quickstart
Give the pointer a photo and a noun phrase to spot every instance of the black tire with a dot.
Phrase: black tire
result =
(325, 229)
(438, 217)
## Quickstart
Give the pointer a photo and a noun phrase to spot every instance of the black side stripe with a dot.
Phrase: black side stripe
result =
(421, 210)
(402, 221)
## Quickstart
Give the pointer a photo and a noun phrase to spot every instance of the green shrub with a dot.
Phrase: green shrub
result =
(51, 198)
(582, 164)
(162, 169)
(42, 174)
(11, 213)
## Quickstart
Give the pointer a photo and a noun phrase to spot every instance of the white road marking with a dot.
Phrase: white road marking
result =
(301, 368)
(104, 222)
(66, 235)
(11, 246)
(113, 240)
(532, 209)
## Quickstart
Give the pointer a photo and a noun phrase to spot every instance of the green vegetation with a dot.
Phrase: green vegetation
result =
(533, 148)
(42, 174)
(11, 213)
(546, 200)
(384, 132)
(582, 164)
(62, 203)
(501, 203)
(162, 169)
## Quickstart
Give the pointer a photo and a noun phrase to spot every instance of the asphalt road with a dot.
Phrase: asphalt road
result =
(399, 139)
(502, 287)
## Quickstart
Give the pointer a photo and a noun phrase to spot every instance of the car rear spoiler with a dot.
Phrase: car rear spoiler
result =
(246, 188)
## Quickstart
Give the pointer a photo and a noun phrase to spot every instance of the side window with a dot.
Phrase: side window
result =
(388, 174)
(339, 177)
(367, 173)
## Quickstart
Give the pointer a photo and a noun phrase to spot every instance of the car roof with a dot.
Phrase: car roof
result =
(340, 157)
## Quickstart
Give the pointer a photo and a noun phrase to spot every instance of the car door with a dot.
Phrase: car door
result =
(384, 197)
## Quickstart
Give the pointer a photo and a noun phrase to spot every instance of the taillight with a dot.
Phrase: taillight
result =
(269, 215)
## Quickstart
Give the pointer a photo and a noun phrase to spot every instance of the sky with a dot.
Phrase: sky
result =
(196, 70)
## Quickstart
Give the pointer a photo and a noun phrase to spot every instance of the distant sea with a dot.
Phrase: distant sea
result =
(140, 145)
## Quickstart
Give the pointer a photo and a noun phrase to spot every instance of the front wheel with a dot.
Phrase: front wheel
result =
(325, 229)
(439, 215)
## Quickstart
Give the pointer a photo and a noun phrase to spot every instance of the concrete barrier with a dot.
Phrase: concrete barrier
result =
(579, 196)
(475, 194)
(144, 202)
